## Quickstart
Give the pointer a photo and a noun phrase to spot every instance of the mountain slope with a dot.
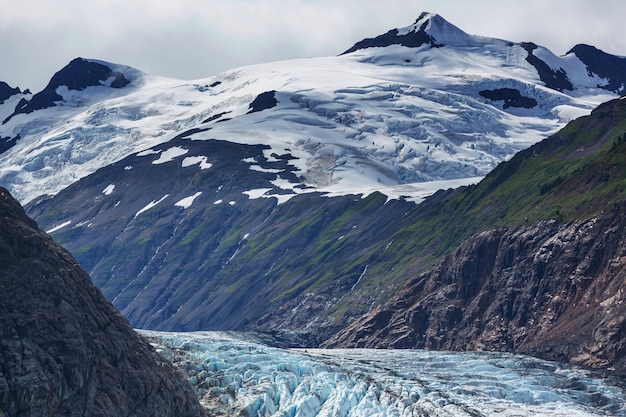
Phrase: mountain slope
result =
(553, 288)
(282, 195)
(201, 253)
(64, 350)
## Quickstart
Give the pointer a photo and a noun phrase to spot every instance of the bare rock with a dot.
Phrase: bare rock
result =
(551, 290)
(64, 349)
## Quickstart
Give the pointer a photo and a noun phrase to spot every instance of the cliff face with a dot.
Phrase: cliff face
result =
(64, 350)
(552, 290)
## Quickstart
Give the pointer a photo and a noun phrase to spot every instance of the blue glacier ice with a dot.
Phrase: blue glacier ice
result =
(236, 375)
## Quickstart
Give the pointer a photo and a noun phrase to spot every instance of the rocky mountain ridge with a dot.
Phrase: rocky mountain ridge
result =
(76, 76)
(64, 350)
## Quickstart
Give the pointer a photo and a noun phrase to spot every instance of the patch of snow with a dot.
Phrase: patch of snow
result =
(282, 198)
(148, 152)
(187, 201)
(257, 193)
(360, 277)
(568, 113)
(193, 160)
(415, 192)
(109, 189)
(269, 170)
(170, 154)
(59, 227)
(150, 205)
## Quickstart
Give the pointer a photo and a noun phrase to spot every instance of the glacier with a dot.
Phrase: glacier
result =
(241, 374)
(377, 119)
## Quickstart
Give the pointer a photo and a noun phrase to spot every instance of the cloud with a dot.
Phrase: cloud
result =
(197, 38)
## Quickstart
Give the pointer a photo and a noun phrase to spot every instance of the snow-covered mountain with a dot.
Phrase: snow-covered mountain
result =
(235, 375)
(422, 103)
(196, 205)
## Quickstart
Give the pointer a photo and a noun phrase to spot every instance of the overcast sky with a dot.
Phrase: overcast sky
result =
(191, 39)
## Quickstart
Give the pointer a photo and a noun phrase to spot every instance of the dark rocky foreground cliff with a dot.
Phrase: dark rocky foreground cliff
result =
(64, 350)
(548, 278)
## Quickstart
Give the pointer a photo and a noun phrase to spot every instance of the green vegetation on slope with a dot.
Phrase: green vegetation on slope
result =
(571, 175)
(574, 174)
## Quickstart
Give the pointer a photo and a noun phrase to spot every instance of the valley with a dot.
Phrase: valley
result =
(411, 227)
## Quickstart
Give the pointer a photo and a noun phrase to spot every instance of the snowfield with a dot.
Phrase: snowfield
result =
(235, 376)
(374, 119)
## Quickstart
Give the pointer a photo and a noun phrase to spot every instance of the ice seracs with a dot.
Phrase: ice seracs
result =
(235, 375)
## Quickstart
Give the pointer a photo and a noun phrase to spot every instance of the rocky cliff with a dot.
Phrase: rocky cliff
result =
(543, 271)
(64, 350)
(555, 290)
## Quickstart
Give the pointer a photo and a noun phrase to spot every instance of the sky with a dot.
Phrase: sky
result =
(193, 39)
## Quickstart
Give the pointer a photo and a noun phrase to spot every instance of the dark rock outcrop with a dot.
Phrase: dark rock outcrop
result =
(511, 97)
(77, 75)
(553, 290)
(610, 67)
(555, 79)
(7, 91)
(263, 101)
(64, 350)
(412, 39)
(8, 142)
(392, 37)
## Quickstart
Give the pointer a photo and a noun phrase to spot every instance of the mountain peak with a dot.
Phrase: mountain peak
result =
(7, 91)
(429, 28)
(439, 29)
(609, 67)
(79, 74)
(427, 21)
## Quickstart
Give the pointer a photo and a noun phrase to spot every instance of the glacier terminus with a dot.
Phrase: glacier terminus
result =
(238, 374)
